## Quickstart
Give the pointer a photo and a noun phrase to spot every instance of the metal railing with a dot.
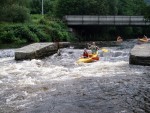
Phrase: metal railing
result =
(105, 20)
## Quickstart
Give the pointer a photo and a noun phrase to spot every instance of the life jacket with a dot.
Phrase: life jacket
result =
(85, 54)
(94, 49)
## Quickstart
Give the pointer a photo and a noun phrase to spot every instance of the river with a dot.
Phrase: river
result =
(57, 84)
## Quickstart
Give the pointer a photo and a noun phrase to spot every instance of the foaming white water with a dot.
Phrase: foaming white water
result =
(22, 82)
(61, 68)
(102, 69)
(6, 53)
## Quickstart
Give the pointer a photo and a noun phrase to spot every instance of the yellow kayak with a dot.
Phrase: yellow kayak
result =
(85, 60)
(91, 58)
(94, 56)
(143, 40)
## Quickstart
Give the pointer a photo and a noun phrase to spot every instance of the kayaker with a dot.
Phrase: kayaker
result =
(144, 39)
(85, 53)
(119, 39)
(93, 48)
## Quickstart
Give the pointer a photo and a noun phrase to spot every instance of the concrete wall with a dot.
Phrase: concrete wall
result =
(38, 50)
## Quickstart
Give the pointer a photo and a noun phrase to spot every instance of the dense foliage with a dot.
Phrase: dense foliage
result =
(82, 7)
(147, 12)
(14, 10)
(100, 7)
(49, 6)
(35, 28)
(131, 7)
(43, 31)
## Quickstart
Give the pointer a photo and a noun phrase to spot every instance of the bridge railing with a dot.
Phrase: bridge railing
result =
(105, 20)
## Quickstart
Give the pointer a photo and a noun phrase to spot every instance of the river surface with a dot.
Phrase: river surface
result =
(57, 84)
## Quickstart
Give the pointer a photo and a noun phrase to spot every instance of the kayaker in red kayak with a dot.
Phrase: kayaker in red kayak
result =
(85, 53)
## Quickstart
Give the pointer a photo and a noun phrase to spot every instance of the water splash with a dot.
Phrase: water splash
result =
(6, 53)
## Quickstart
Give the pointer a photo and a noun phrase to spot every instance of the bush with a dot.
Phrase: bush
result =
(24, 33)
(43, 21)
(17, 34)
(7, 36)
(42, 32)
(43, 37)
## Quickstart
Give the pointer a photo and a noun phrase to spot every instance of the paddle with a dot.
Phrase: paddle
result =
(103, 49)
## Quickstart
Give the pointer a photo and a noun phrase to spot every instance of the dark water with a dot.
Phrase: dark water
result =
(57, 84)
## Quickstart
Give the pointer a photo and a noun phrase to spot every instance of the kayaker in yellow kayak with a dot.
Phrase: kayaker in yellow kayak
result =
(144, 39)
(85, 53)
(119, 39)
(93, 47)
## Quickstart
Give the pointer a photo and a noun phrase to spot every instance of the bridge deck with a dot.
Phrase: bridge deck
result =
(106, 20)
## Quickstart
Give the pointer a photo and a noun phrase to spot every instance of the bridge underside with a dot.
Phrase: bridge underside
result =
(90, 27)
(94, 33)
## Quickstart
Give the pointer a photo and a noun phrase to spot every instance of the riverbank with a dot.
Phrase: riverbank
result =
(43, 29)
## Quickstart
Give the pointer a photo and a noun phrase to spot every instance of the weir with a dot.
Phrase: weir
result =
(140, 55)
(38, 50)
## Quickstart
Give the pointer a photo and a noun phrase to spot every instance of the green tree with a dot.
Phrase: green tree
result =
(14, 10)
(113, 7)
(35, 6)
(82, 7)
(147, 12)
(124, 7)
(138, 7)
(4, 3)
(131, 7)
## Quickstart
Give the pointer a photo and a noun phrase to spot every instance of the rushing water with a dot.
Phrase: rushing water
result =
(57, 84)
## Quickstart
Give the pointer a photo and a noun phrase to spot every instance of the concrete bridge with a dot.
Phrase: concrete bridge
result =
(86, 20)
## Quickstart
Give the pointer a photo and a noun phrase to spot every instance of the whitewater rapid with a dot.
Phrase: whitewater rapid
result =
(36, 86)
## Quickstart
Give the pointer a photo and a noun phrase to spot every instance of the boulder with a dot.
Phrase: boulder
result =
(140, 55)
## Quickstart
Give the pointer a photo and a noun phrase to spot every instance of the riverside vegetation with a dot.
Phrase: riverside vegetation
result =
(21, 22)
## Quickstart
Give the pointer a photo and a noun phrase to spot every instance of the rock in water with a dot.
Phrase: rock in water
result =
(140, 55)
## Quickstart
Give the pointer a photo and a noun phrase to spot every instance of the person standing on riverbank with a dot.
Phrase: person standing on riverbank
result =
(58, 46)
